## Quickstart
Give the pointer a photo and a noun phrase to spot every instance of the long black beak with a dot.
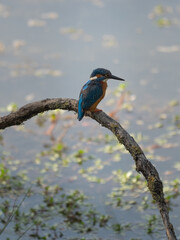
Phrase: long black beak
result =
(116, 78)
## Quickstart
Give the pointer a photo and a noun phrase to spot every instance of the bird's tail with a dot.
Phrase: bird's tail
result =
(80, 110)
(80, 115)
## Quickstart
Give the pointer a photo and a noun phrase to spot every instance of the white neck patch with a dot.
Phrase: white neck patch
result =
(93, 78)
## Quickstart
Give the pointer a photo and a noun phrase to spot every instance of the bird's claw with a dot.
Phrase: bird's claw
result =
(97, 110)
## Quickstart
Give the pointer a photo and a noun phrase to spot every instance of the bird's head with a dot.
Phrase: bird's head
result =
(103, 74)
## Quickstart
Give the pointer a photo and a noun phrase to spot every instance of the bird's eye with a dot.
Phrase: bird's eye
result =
(106, 75)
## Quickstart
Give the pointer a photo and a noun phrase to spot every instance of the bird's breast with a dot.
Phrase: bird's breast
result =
(104, 86)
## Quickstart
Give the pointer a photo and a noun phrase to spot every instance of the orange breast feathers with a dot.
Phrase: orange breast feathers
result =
(104, 86)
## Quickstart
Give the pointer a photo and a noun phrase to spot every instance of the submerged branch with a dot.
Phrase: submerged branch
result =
(143, 165)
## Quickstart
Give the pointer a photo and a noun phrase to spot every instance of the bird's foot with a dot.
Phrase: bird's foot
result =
(97, 110)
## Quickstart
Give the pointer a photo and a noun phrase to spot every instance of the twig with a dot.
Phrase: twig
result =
(143, 165)
(13, 211)
(25, 231)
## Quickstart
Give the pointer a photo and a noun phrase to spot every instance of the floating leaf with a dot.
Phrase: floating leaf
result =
(74, 33)
(173, 103)
(12, 107)
(17, 44)
(163, 22)
(176, 120)
(4, 11)
(2, 47)
(177, 166)
(36, 23)
(109, 41)
(159, 10)
(47, 72)
(50, 15)
(168, 49)
(98, 3)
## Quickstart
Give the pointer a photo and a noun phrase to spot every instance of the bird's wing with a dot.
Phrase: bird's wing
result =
(90, 93)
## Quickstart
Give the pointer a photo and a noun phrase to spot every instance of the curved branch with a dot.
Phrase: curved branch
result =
(143, 165)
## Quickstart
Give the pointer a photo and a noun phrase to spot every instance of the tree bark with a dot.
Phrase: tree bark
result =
(143, 165)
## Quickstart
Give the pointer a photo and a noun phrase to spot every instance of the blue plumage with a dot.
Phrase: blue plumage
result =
(93, 91)
(80, 109)
(100, 71)
(89, 94)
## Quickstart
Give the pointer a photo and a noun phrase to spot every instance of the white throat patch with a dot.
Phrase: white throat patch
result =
(93, 78)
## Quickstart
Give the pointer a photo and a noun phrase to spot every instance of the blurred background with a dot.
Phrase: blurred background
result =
(48, 49)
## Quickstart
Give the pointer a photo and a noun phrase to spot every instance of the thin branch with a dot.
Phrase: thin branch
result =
(28, 228)
(143, 165)
(14, 211)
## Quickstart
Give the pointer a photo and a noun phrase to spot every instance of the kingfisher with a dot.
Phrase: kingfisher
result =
(94, 91)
